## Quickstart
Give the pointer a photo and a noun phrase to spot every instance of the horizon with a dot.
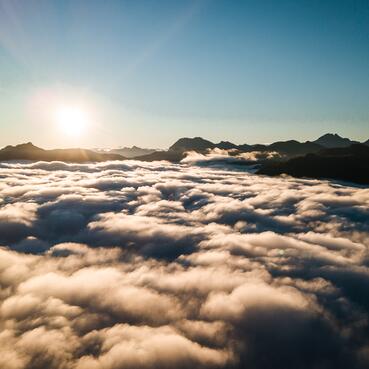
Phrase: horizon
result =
(192, 137)
(149, 72)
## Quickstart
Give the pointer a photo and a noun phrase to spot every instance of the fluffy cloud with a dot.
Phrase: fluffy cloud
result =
(157, 265)
(219, 156)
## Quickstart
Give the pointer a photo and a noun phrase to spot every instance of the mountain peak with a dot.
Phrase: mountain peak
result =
(334, 140)
(226, 145)
(195, 143)
(28, 146)
(327, 135)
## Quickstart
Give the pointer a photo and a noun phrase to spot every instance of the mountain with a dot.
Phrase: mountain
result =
(192, 144)
(330, 140)
(344, 163)
(23, 150)
(29, 151)
(226, 145)
(289, 148)
(366, 143)
(294, 148)
(130, 152)
(245, 147)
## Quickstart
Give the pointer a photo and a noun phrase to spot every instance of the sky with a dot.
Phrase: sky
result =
(150, 72)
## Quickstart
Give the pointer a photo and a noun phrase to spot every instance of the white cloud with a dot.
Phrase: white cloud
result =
(147, 265)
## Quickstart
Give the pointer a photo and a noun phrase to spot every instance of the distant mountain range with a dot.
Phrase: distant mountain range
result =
(128, 152)
(28, 151)
(290, 148)
(330, 156)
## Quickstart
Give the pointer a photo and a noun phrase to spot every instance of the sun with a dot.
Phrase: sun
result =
(72, 121)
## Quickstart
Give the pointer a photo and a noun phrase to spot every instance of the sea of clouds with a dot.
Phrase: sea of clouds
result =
(154, 265)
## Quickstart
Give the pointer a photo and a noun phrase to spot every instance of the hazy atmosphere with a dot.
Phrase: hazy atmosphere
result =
(245, 71)
(184, 184)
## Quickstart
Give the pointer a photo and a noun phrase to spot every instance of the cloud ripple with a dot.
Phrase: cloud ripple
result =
(155, 265)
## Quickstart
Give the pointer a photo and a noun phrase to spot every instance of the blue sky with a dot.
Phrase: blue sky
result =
(149, 72)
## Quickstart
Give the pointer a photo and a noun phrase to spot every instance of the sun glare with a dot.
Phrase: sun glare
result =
(71, 121)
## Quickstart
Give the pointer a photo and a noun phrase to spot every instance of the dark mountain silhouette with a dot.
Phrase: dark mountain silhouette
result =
(258, 147)
(300, 159)
(245, 147)
(226, 145)
(192, 144)
(294, 147)
(199, 144)
(30, 152)
(289, 148)
(345, 163)
(331, 140)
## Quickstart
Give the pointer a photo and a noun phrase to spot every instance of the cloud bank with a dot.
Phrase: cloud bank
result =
(156, 265)
(219, 157)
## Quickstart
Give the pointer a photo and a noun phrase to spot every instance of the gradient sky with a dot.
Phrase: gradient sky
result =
(149, 72)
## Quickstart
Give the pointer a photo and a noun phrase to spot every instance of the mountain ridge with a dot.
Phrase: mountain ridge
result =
(28, 151)
(330, 140)
(128, 152)
(299, 159)
(289, 147)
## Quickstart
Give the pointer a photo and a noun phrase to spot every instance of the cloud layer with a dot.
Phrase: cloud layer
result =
(156, 265)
